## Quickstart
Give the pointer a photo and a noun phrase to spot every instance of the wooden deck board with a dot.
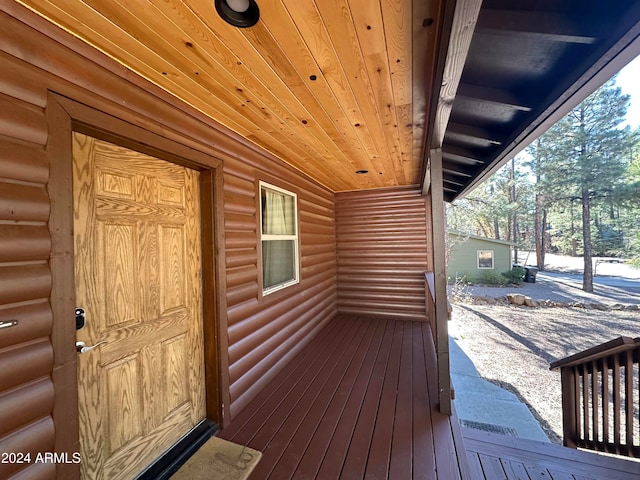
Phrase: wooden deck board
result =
(358, 453)
(341, 441)
(344, 405)
(317, 413)
(447, 462)
(423, 443)
(522, 459)
(377, 466)
(275, 437)
(400, 465)
(246, 422)
(356, 403)
(360, 401)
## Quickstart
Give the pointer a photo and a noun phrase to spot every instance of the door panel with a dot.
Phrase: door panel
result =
(138, 276)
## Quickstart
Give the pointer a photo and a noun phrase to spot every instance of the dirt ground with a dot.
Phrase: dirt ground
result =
(513, 347)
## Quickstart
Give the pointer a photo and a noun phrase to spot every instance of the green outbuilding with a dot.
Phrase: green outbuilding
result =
(472, 256)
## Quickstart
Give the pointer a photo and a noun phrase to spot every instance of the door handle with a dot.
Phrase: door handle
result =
(82, 347)
(8, 324)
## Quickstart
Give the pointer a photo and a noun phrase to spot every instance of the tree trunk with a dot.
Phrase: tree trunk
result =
(539, 220)
(587, 278)
(514, 231)
(574, 243)
(538, 231)
(544, 237)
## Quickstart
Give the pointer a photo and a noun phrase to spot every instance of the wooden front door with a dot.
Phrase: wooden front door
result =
(138, 277)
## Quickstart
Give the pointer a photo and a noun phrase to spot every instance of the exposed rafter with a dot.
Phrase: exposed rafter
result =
(474, 134)
(545, 25)
(461, 155)
(530, 63)
(458, 173)
(494, 96)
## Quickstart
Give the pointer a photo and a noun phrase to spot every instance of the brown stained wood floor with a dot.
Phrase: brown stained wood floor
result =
(358, 402)
(498, 457)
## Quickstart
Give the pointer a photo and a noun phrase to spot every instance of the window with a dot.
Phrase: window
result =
(485, 258)
(279, 237)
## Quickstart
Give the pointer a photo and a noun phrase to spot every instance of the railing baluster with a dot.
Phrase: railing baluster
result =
(594, 402)
(579, 431)
(585, 404)
(628, 404)
(617, 404)
(605, 402)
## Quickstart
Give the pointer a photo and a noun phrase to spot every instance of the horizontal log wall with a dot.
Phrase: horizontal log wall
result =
(384, 248)
(263, 332)
(266, 331)
(26, 352)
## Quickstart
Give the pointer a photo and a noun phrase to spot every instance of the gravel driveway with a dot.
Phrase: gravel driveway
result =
(513, 346)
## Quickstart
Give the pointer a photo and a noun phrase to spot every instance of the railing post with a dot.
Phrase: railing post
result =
(438, 232)
(570, 412)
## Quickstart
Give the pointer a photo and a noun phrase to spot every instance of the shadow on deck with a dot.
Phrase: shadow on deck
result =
(360, 401)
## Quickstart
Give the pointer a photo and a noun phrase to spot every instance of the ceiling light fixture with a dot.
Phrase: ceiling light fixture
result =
(239, 13)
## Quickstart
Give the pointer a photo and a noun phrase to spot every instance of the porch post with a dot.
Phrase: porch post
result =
(440, 280)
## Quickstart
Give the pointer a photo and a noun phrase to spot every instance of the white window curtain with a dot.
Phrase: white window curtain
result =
(278, 238)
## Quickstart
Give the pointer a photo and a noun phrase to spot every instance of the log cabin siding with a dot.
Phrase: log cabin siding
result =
(383, 251)
(265, 332)
(26, 351)
(38, 365)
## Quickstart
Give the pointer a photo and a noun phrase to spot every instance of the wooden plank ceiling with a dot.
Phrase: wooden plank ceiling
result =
(329, 86)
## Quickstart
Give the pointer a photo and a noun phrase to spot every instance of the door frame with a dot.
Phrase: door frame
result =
(64, 116)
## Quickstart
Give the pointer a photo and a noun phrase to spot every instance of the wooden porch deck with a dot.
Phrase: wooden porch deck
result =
(498, 457)
(360, 401)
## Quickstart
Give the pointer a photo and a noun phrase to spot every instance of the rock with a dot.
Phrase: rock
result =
(516, 299)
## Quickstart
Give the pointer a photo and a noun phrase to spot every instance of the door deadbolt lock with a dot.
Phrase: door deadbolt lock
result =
(81, 318)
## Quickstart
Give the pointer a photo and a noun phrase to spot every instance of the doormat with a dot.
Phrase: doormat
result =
(218, 459)
(489, 427)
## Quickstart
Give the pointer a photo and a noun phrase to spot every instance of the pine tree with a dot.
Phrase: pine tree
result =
(586, 156)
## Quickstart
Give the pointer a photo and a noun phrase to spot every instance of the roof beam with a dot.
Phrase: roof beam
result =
(460, 155)
(457, 173)
(548, 25)
(492, 96)
(449, 179)
(468, 131)
(464, 22)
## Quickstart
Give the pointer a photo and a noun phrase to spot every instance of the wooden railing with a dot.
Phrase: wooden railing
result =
(430, 300)
(601, 397)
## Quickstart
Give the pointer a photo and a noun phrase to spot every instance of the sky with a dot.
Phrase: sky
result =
(629, 81)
